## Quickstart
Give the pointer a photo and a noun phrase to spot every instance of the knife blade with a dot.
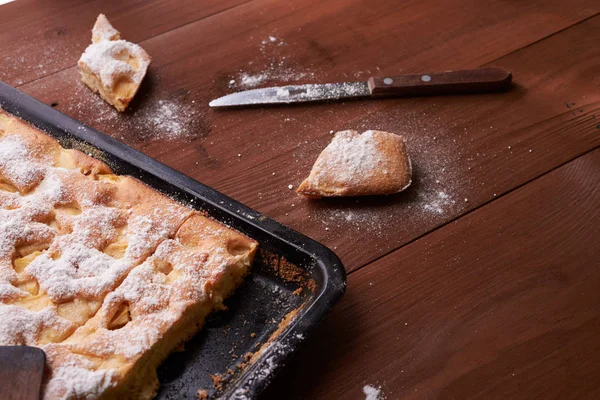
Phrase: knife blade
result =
(452, 82)
(294, 94)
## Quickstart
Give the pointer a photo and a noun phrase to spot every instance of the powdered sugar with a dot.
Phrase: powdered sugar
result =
(298, 93)
(22, 327)
(16, 162)
(278, 67)
(103, 30)
(329, 91)
(161, 119)
(168, 119)
(73, 219)
(274, 72)
(372, 393)
(79, 271)
(438, 203)
(356, 157)
(145, 233)
(108, 60)
(74, 376)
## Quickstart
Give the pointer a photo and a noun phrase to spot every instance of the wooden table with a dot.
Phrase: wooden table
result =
(481, 280)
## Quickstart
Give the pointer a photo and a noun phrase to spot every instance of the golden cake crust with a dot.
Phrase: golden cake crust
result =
(104, 273)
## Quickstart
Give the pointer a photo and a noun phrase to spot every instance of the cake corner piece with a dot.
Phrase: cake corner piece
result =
(112, 67)
(366, 164)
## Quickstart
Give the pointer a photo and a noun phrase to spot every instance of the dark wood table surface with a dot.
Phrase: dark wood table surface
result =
(480, 281)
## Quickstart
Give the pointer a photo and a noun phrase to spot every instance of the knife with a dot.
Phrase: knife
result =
(479, 80)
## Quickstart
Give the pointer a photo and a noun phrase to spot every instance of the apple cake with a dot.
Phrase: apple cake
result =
(354, 164)
(102, 272)
(111, 66)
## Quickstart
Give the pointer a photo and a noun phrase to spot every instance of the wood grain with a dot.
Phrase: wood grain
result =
(21, 372)
(460, 144)
(502, 303)
(39, 38)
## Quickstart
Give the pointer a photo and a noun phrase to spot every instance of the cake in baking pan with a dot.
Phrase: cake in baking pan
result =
(102, 272)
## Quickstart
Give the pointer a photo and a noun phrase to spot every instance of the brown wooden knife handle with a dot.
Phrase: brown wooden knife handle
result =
(452, 82)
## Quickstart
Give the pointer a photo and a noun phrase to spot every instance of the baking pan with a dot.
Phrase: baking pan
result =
(294, 282)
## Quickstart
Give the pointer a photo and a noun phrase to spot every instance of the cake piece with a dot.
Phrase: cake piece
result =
(354, 164)
(111, 66)
(102, 272)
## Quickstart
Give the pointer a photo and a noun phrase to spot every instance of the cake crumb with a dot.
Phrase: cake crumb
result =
(202, 394)
(217, 380)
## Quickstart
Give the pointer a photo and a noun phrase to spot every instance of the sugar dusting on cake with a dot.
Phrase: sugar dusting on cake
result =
(72, 265)
(354, 158)
(21, 326)
(104, 59)
(17, 163)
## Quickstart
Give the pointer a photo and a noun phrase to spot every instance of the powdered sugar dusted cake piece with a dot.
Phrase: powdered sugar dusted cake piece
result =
(103, 273)
(354, 164)
(111, 66)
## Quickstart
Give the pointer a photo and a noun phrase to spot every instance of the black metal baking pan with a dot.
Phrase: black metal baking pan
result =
(259, 316)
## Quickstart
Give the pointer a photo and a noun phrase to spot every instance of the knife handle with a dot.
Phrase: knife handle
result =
(452, 82)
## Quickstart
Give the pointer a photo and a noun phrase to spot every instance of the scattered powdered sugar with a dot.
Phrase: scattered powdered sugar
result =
(168, 119)
(328, 91)
(249, 81)
(162, 119)
(277, 67)
(437, 203)
(361, 220)
(274, 72)
(32, 60)
(267, 366)
(309, 92)
(372, 392)
(432, 197)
